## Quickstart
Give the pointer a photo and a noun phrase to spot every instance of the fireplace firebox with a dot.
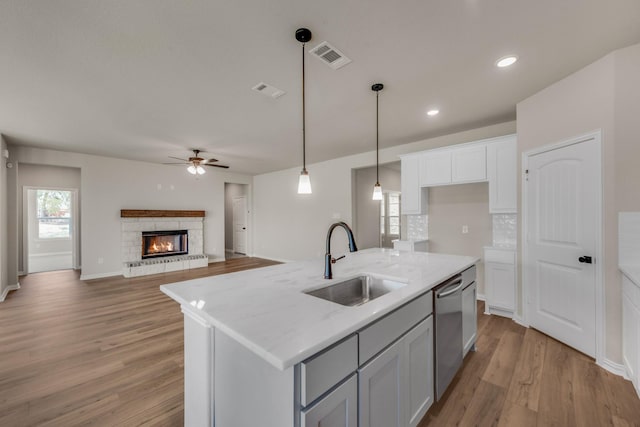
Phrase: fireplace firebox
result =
(164, 243)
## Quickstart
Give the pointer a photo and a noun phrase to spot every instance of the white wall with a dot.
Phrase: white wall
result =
(367, 211)
(4, 275)
(289, 226)
(451, 207)
(604, 95)
(108, 185)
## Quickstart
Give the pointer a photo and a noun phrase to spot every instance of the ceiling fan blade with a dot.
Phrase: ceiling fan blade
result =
(178, 158)
(217, 166)
(209, 161)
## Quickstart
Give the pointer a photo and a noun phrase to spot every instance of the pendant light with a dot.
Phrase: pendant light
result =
(377, 189)
(303, 35)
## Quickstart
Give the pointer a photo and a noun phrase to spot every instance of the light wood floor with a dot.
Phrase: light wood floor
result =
(520, 377)
(110, 353)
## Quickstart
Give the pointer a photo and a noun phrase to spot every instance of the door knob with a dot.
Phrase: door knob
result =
(244, 228)
(585, 259)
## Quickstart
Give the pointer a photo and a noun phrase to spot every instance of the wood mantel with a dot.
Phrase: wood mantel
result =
(146, 213)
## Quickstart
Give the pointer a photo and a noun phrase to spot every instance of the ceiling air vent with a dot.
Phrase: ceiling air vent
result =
(330, 55)
(268, 90)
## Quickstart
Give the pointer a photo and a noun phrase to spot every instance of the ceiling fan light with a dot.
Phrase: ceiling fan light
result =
(377, 192)
(200, 170)
(192, 170)
(304, 183)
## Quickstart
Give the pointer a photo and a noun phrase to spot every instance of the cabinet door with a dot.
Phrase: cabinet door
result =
(469, 317)
(502, 164)
(500, 282)
(435, 168)
(413, 201)
(418, 349)
(337, 409)
(469, 164)
(382, 389)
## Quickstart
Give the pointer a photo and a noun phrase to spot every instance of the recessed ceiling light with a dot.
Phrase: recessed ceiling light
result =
(506, 61)
(432, 112)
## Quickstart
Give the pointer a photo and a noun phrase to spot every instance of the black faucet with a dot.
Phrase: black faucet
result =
(328, 260)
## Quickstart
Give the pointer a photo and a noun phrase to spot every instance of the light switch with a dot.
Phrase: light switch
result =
(465, 229)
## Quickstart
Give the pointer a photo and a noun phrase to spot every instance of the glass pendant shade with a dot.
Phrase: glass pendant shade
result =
(304, 184)
(196, 170)
(377, 192)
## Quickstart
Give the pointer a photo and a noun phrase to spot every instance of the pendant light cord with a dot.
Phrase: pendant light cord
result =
(377, 138)
(304, 154)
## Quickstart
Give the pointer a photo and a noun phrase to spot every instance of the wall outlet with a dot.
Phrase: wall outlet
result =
(465, 229)
(100, 260)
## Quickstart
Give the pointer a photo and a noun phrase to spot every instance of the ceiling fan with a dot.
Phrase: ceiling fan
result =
(196, 162)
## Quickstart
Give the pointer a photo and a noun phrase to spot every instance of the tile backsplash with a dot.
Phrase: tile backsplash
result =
(417, 227)
(629, 238)
(505, 229)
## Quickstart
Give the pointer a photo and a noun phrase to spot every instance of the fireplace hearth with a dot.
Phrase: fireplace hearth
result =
(164, 243)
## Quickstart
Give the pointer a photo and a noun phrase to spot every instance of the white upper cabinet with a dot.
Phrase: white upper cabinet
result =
(413, 201)
(469, 164)
(502, 175)
(453, 166)
(493, 160)
(435, 168)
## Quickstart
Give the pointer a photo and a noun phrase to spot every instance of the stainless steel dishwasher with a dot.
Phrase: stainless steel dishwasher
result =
(448, 310)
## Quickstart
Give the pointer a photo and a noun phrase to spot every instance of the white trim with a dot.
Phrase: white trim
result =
(480, 297)
(99, 275)
(519, 320)
(8, 289)
(599, 252)
(46, 254)
(613, 367)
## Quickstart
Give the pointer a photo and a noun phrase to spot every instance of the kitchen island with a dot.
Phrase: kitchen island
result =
(248, 334)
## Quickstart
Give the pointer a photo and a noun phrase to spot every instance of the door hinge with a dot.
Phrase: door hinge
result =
(526, 175)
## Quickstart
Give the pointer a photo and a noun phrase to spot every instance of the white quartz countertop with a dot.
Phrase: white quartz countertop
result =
(266, 310)
(632, 272)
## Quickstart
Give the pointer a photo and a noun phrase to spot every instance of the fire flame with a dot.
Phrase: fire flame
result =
(161, 247)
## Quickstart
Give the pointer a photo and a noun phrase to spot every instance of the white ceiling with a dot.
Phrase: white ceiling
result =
(147, 79)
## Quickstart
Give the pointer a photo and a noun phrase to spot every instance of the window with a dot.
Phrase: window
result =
(53, 214)
(389, 218)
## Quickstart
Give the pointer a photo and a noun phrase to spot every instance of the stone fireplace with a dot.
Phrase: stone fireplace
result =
(155, 241)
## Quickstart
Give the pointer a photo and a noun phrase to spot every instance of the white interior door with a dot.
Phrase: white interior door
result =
(562, 229)
(240, 225)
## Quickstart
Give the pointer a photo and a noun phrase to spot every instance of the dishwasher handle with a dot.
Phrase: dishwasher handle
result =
(452, 291)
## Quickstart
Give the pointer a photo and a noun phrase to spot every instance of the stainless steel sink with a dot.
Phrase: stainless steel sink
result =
(356, 291)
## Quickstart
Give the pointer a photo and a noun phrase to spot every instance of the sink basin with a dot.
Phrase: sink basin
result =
(356, 291)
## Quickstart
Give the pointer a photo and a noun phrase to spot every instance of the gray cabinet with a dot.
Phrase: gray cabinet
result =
(396, 387)
(381, 389)
(337, 409)
(469, 317)
(418, 349)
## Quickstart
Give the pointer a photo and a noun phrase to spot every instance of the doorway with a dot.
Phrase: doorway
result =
(51, 223)
(236, 220)
(562, 197)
